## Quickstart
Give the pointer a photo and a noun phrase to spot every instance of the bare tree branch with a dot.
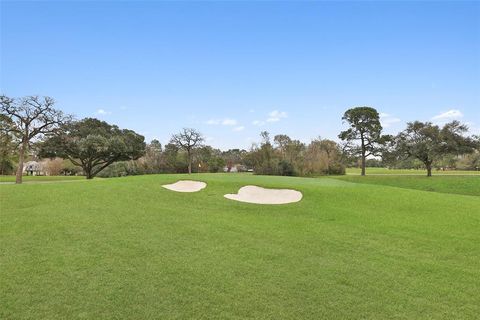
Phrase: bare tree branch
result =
(30, 118)
(188, 139)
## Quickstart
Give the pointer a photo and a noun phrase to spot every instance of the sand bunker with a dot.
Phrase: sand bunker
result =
(253, 194)
(186, 186)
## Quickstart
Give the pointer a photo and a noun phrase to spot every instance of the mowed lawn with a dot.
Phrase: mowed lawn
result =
(126, 248)
(468, 185)
(32, 179)
(386, 171)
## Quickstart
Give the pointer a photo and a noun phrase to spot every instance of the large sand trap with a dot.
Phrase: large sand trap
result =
(186, 186)
(259, 195)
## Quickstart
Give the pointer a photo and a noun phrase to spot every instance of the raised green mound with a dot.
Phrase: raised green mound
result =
(127, 248)
(468, 185)
(423, 172)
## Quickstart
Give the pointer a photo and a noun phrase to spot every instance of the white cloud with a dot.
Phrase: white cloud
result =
(223, 122)
(388, 120)
(273, 116)
(239, 128)
(229, 122)
(276, 115)
(213, 122)
(452, 114)
(102, 112)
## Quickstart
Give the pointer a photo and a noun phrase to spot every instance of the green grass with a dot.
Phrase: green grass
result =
(385, 171)
(468, 185)
(126, 248)
(41, 178)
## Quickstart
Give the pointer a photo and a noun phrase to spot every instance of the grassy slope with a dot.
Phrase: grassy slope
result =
(41, 178)
(127, 248)
(468, 185)
(384, 171)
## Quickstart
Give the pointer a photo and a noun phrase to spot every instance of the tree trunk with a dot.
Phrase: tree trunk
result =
(363, 163)
(21, 159)
(363, 156)
(87, 168)
(189, 162)
(429, 169)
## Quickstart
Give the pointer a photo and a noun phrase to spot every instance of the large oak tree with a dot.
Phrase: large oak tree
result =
(428, 142)
(94, 145)
(7, 146)
(28, 119)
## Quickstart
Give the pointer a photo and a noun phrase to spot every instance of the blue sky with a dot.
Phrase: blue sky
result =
(233, 69)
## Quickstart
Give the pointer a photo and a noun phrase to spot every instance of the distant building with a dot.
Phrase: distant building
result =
(235, 168)
(232, 169)
(32, 168)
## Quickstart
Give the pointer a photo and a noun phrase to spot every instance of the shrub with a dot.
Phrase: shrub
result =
(285, 168)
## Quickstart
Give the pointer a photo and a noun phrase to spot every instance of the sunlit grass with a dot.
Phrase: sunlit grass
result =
(382, 171)
(11, 178)
(468, 184)
(126, 248)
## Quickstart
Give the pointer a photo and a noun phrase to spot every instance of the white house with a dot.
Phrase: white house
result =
(32, 168)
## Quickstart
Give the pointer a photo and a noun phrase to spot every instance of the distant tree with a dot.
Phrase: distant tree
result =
(265, 159)
(175, 162)
(7, 146)
(291, 153)
(285, 168)
(265, 137)
(469, 161)
(53, 167)
(366, 128)
(93, 145)
(216, 164)
(428, 142)
(233, 157)
(30, 118)
(476, 141)
(282, 141)
(295, 154)
(155, 146)
(375, 163)
(188, 139)
(69, 169)
(209, 159)
(152, 161)
(294, 151)
(323, 156)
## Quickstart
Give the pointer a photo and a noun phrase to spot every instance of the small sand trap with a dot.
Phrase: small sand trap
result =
(258, 195)
(186, 186)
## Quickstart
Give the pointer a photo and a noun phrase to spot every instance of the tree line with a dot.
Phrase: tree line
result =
(32, 125)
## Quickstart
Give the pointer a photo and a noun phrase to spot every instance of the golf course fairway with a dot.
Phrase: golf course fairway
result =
(127, 248)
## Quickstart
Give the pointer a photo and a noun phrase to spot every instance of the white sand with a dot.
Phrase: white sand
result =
(186, 186)
(254, 194)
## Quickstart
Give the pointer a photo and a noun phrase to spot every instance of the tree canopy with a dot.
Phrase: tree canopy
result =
(428, 142)
(27, 119)
(188, 139)
(94, 145)
(365, 127)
